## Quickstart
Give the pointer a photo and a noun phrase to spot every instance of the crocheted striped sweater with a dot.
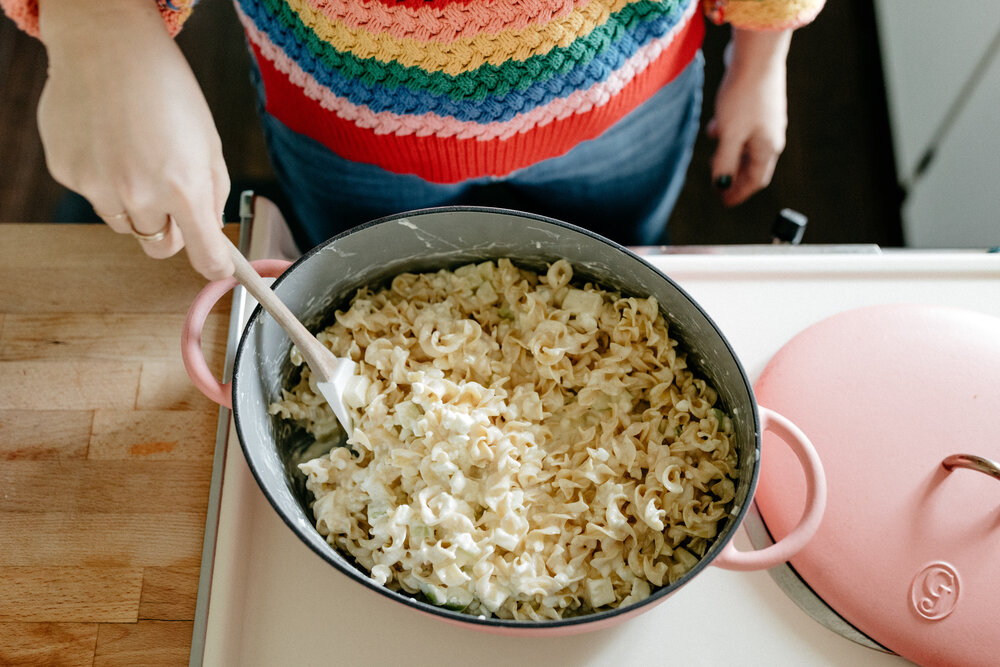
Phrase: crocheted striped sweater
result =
(456, 89)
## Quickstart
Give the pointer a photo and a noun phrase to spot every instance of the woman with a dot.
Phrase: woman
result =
(585, 110)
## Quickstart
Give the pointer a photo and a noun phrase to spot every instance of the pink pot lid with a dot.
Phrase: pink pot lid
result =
(908, 550)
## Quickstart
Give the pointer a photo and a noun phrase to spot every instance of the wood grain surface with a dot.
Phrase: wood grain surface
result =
(105, 449)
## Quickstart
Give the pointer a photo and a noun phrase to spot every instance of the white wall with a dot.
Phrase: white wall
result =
(929, 49)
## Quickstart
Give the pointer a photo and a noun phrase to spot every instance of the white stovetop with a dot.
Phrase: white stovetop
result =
(275, 602)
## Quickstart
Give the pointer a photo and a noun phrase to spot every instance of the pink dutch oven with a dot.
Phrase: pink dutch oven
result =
(327, 276)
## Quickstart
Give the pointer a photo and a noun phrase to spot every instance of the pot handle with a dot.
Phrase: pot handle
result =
(784, 549)
(194, 357)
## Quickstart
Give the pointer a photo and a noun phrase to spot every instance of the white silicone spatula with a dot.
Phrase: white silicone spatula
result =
(332, 373)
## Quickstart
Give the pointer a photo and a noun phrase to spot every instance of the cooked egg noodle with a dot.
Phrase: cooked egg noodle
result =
(524, 447)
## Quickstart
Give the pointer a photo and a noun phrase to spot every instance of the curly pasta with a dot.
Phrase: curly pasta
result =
(523, 447)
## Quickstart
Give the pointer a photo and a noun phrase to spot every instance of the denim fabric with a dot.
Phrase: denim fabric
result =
(622, 185)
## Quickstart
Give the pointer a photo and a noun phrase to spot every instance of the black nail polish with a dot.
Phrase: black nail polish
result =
(723, 182)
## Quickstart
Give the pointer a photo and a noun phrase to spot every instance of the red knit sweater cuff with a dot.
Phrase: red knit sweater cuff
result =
(24, 13)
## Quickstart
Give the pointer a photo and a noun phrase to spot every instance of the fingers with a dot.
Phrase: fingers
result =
(119, 221)
(206, 246)
(157, 234)
(195, 222)
(740, 169)
(208, 250)
(106, 205)
(220, 185)
(755, 174)
(200, 221)
(712, 128)
(159, 240)
(727, 161)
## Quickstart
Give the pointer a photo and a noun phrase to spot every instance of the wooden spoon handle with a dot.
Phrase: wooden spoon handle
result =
(314, 353)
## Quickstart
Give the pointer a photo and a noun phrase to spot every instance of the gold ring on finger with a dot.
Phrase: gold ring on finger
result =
(152, 238)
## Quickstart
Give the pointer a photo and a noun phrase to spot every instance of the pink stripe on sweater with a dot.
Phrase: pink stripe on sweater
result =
(444, 24)
(431, 124)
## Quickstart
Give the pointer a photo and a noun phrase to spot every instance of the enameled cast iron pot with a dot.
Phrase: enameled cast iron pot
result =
(369, 255)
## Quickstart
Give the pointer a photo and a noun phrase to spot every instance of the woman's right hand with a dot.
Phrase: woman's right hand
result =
(124, 123)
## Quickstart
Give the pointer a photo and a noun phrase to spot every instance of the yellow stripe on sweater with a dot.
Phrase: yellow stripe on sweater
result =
(465, 53)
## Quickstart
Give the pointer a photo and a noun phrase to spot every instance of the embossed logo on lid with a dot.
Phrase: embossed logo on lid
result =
(935, 590)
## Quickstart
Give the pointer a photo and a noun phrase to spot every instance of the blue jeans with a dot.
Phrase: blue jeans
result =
(622, 185)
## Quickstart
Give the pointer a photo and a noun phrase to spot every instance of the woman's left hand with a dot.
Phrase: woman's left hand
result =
(750, 114)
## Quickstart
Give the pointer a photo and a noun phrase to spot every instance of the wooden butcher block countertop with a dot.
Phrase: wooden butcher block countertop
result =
(105, 449)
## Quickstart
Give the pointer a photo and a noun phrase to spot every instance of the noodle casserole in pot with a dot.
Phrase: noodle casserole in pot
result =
(476, 244)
